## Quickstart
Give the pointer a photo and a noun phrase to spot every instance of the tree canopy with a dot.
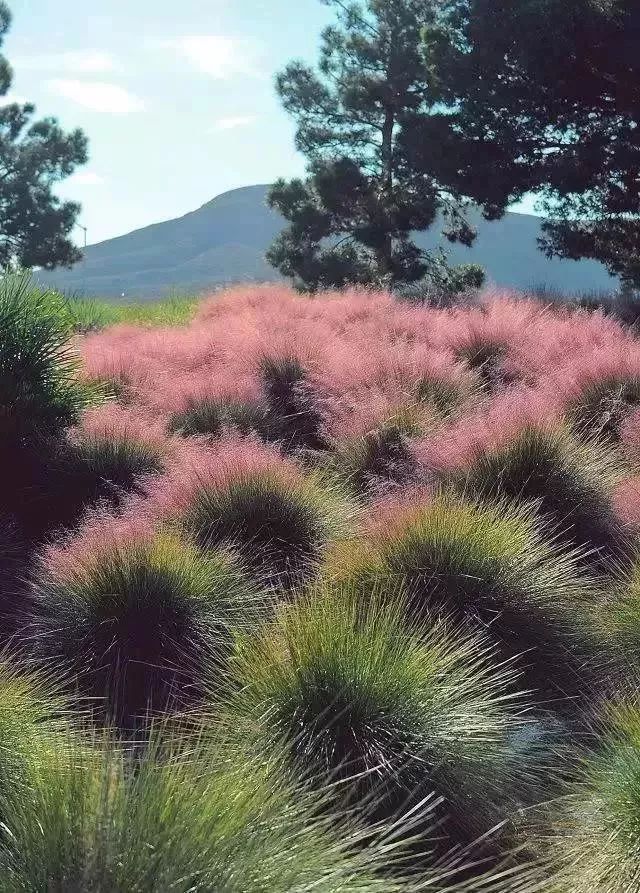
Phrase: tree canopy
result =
(35, 225)
(542, 95)
(351, 220)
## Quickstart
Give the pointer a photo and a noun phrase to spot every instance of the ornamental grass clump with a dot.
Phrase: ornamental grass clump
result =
(604, 405)
(32, 723)
(212, 417)
(572, 482)
(379, 459)
(485, 356)
(294, 412)
(591, 835)
(40, 392)
(41, 395)
(279, 524)
(393, 709)
(137, 623)
(190, 817)
(487, 564)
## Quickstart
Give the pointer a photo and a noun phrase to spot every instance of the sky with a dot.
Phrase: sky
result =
(176, 96)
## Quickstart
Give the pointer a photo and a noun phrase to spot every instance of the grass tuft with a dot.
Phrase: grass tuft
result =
(393, 709)
(279, 526)
(594, 841)
(572, 481)
(603, 406)
(207, 816)
(137, 623)
(488, 565)
(293, 407)
(213, 417)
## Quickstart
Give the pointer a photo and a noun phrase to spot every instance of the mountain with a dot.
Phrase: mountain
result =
(225, 241)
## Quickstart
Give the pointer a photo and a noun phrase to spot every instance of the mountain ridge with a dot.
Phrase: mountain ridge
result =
(224, 241)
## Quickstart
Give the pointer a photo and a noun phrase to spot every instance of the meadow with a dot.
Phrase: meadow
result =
(328, 593)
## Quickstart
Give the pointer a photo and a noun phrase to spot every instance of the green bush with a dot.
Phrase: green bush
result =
(32, 723)
(592, 843)
(280, 527)
(395, 709)
(138, 623)
(294, 412)
(40, 393)
(484, 356)
(442, 395)
(380, 458)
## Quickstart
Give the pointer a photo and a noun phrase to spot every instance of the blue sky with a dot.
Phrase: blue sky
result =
(176, 96)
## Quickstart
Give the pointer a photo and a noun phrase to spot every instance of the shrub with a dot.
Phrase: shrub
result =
(593, 844)
(487, 564)
(293, 407)
(212, 417)
(279, 525)
(40, 393)
(573, 483)
(603, 406)
(395, 709)
(138, 622)
(214, 817)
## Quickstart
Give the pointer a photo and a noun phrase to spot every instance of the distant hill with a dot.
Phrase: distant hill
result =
(225, 241)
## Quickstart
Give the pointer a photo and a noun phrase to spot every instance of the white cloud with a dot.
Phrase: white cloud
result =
(234, 123)
(99, 96)
(216, 55)
(86, 178)
(74, 62)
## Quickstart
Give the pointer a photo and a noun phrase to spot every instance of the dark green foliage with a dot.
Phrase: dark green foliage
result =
(138, 623)
(40, 393)
(352, 219)
(51, 484)
(571, 481)
(395, 710)
(604, 405)
(35, 226)
(212, 417)
(522, 113)
(294, 414)
(280, 527)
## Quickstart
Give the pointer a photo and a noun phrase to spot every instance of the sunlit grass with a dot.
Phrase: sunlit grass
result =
(93, 314)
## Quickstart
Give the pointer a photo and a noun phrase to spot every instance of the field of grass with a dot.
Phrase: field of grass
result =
(89, 314)
(331, 593)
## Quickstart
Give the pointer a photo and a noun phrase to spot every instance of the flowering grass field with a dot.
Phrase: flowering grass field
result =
(328, 593)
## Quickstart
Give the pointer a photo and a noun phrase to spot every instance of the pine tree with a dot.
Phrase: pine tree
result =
(35, 225)
(351, 220)
(544, 96)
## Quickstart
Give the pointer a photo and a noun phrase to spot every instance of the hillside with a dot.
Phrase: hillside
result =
(225, 240)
